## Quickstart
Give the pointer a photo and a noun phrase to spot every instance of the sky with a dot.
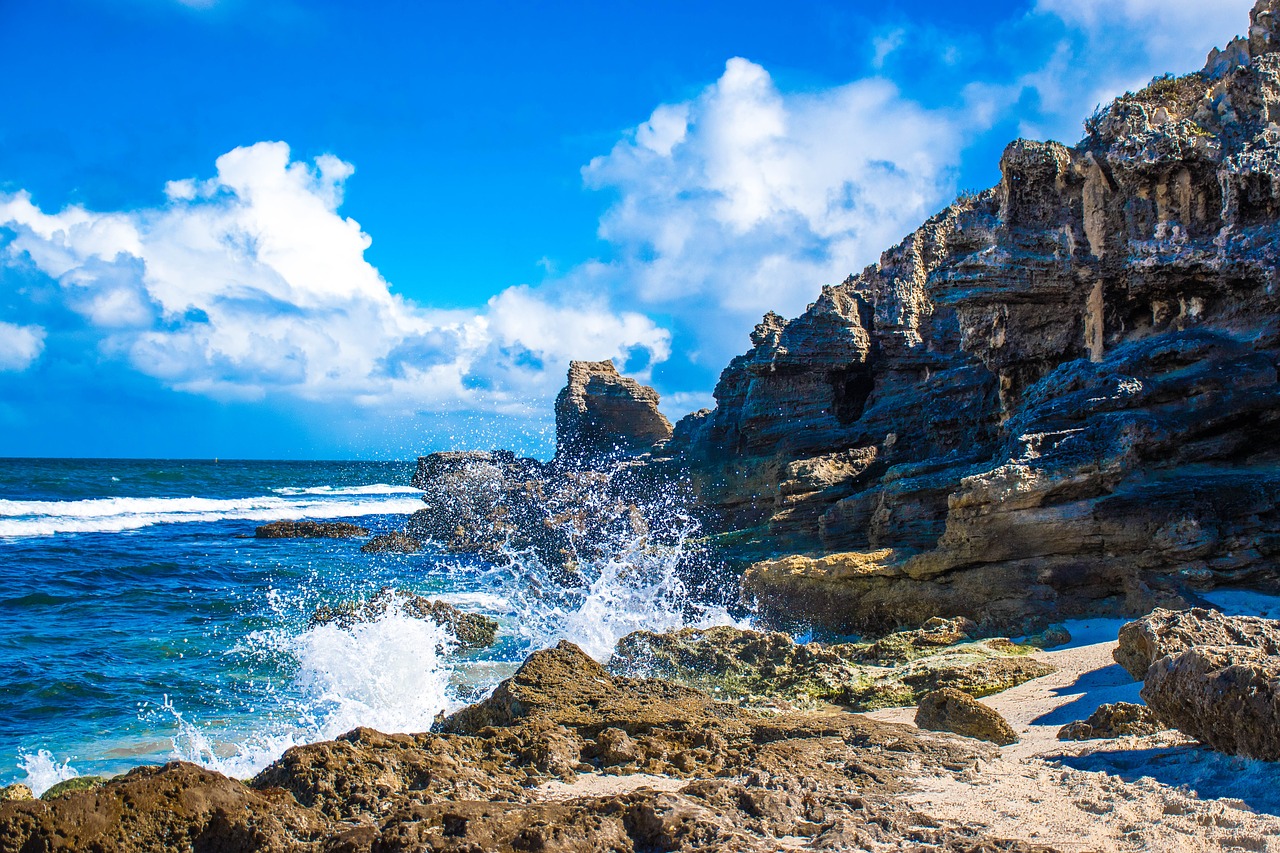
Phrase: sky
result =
(277, 229)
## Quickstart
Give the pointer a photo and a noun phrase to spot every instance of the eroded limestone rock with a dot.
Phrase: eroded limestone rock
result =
(602, 415)
(952, 710)
(471, 630)
(1119, 719)
(1168, 632)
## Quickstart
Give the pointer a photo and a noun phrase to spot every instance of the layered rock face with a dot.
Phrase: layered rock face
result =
(1057, 397)
(602, 415)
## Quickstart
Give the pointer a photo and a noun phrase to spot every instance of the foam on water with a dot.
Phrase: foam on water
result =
(111, 515)
(43, 771)
(391, 674)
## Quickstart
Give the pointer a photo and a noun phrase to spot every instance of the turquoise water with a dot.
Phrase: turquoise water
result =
(140, 621)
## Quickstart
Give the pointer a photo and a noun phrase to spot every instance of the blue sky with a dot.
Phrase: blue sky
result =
(267, 228)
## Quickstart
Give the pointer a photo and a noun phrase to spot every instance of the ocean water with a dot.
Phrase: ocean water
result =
(140, 621)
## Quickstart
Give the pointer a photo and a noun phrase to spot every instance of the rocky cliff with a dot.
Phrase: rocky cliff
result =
(1056, 397)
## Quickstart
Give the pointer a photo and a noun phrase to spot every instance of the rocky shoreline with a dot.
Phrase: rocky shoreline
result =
(1058, 400)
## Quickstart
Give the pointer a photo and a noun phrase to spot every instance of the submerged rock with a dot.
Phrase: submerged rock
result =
(952, 710)
(1227, 697)
(309, 530)
(396, 542)
(1119, 719)
(1168, 632)
(755, 667)
(471, 630)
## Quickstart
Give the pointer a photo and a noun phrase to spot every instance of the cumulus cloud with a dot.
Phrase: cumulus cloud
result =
(747, 198)
(20, 346)
(251, 283)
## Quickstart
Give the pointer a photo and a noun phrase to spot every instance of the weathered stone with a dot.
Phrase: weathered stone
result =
(1168, 632)
(602, 415)
(1225, 696)
(952, 710)
(471, 630)
(72, 785)
(396, 542)
(16, 791)
(759, 668)
(1056, 398)
(310, 530)
(1119, 719)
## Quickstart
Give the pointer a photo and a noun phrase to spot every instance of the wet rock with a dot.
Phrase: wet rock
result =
(471, 630)
(952, 710)
(1119, 719)
(310, 530)
(16, 791)
(72, 785)
(1168, 632)
(1225, 696)
(758, 668)
(603, 415)
(396, 542)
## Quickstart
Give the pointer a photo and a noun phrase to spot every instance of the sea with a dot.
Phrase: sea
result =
(142, 622)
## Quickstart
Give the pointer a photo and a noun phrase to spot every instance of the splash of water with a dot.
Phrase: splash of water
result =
(391, 673)
(43, 771)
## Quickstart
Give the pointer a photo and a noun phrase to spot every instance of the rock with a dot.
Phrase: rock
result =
(309, 530)
(72, 785)
(952, 710)
(1168, 632)
(1119, 719)
(471, 630)
(602, 415)
(178, 806)
(747, 781)
(16, 791)
(1225, 696)
(1056, 398)
(757, 668)
(396, 542)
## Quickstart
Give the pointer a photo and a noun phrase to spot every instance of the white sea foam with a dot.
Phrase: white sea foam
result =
(390, 674)
(43, 771)
(372, 489)
(110, 515)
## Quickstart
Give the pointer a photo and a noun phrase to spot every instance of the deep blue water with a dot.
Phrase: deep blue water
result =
(140, 621)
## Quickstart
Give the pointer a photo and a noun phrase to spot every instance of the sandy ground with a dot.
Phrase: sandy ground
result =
(1158, 793)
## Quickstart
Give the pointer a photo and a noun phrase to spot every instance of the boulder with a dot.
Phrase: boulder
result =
(1227, 697)
(1118, 719)
(1168, 632)
(309, 530)
(396, 542)
(602, 415)
(952, 710)
(16, 791)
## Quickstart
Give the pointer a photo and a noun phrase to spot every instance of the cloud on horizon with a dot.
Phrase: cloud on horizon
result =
(251, 283)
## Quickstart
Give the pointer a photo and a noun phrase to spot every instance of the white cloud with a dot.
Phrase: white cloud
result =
(20, 346)
(746, 198)
(252, 283)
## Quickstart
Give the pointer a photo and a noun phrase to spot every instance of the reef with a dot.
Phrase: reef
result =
(310, 530)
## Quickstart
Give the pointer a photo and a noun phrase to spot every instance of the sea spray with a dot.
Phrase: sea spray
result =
(43, 771)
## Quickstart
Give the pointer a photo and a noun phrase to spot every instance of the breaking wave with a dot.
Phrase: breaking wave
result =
(113, 515)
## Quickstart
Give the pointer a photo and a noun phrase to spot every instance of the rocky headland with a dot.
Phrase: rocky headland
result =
(1057, 400)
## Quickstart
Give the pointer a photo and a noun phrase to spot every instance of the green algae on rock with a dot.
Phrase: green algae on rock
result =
(763, 667)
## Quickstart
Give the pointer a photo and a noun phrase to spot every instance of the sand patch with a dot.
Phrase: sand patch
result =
(604, 785)
(1160, 793)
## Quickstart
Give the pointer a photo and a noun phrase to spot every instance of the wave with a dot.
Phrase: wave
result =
(373, 489)
(113, 515)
